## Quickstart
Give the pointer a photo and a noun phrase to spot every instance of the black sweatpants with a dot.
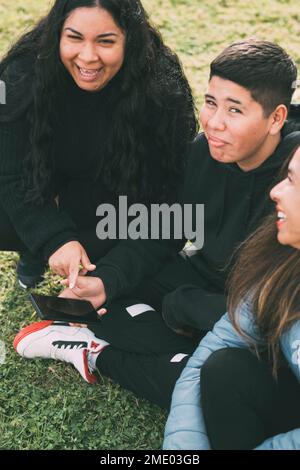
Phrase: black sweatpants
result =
(243, 404)
(185, 299)
(144, 355)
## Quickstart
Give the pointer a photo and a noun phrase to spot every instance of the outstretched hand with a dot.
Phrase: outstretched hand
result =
(87, 288)
(66, 262)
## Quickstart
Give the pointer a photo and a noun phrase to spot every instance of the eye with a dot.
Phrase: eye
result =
(210, 102)
(74, 37)
(106, 41)
(235, 111)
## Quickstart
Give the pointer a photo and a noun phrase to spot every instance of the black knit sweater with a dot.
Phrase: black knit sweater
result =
(81, 126)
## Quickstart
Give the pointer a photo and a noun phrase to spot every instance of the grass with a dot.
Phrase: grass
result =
(44, 404)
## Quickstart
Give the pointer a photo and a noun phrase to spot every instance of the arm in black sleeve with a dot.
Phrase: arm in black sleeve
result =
(42, 229)
(126, 265)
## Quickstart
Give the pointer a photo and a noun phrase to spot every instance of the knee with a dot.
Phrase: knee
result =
(193, 306)
(226, 366)
(172, 311)
(178, 309)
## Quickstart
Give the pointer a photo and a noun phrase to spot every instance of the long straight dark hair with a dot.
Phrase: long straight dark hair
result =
(151, 75)
(267, 274)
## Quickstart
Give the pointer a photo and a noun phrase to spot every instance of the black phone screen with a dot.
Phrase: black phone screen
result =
(61, 309)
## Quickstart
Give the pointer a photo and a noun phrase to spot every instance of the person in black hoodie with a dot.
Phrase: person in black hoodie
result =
(97, 106)
(232, 165)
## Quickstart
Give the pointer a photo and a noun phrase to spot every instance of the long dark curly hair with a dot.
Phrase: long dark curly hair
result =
(151, 75)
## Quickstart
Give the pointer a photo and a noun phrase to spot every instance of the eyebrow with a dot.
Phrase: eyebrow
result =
(103, 35)
(231, 100)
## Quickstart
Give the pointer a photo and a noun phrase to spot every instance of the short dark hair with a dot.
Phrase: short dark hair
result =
(262, 67)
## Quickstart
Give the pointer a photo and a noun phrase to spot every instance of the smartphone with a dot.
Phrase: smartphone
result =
(61, 309)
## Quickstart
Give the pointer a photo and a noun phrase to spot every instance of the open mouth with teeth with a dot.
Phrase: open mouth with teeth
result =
(88, 74)
(281, 218)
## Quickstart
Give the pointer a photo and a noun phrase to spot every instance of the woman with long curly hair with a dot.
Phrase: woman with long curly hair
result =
(240, 390)
(97, 106)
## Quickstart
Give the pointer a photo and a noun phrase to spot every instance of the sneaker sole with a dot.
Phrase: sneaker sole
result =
(90, 378)
(29, 330)
(34, 328)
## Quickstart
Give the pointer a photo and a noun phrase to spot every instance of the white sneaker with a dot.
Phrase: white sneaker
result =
(50, 340)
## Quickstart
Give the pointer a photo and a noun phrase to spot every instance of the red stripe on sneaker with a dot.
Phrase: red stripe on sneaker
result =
(30, 329)
(91, 378)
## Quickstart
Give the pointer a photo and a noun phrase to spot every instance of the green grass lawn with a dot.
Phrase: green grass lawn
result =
(45, 404)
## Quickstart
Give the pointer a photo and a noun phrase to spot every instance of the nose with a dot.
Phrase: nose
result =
(275, 192)
(88, 53)
(217, 121)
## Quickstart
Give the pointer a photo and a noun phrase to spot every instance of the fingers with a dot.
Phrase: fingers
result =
(60, 271)
(102, 312)
(75, 271)
(83, 272)
(78, 292)
(73, 275)
(68, 294)
(80, 325)
(63, 294)
(66, 282)
(59, 268)
(79, 284)
(85, 261)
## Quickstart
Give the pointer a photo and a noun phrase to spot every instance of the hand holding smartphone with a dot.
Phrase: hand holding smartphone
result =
(62, 309)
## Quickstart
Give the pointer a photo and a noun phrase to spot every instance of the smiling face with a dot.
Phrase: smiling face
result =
(235, 126)
(92, 47)
(286, 195)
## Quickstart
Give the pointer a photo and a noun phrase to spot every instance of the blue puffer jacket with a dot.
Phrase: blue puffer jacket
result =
(185, 428)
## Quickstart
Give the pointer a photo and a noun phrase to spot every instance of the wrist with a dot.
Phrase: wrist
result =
(101, 289)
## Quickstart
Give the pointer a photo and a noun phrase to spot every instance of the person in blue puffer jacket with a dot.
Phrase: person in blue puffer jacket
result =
(240, 389)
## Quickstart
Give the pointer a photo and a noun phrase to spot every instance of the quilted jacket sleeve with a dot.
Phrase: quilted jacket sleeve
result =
(287, 441)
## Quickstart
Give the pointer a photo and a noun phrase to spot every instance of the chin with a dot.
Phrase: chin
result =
(89, 86)
(214, 153)
(219, 157)
(283, 240)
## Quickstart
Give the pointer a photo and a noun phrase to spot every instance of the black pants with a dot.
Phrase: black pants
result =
(144, 355)
(185, 299)
(242, 402)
